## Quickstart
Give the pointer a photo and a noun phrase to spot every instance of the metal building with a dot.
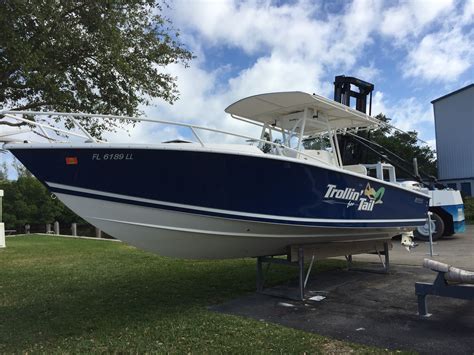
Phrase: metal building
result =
(454, 124)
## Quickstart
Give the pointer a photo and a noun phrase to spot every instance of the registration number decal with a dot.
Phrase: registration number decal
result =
(112, 156)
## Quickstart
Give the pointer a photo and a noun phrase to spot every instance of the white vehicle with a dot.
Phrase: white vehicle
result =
(446, 205)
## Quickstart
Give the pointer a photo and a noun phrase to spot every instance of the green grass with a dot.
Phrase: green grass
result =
(72, 295)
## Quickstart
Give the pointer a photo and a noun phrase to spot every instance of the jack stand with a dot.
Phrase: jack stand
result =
(385, 263)
(302, 280)
(430, 231)
(298, 253)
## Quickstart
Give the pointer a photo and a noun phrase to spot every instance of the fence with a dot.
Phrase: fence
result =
(73, 229)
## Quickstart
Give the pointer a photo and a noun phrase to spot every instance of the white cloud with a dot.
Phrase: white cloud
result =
(409, 114)
(378, 104)
(289, 31)
(297, 46)
(413, 16)
(406, 114)
(436, 34)
(467, 13)
(293, 52)
(353, 33)
(276, 73)
(441, 56)
(368, 73)
(251, 26)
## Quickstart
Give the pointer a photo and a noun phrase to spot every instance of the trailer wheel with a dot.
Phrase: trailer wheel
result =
(437, 227)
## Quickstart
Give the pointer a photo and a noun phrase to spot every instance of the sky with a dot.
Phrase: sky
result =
(413, 51)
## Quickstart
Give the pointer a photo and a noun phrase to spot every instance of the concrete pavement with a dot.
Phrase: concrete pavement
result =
(457, 250)
(376, 309)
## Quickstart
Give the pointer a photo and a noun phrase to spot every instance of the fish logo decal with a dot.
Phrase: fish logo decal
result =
(376, 196)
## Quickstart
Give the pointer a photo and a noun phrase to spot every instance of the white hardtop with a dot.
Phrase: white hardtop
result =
(282, 109)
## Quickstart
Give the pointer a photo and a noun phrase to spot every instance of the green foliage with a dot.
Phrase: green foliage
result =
(3, 170)
(469, 209)
(26, 200)
(87, 56)
(406, 146)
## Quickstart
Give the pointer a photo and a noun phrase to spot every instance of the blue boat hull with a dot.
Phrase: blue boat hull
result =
(211, 194)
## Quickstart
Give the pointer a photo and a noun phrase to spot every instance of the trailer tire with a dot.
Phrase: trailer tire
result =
(422, 233)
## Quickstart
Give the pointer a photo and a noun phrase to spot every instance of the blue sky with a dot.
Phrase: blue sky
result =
(413, 51)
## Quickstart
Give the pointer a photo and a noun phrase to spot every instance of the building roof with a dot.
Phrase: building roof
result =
(452, 93)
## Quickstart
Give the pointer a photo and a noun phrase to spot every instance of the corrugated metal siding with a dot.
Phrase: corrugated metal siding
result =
(454, 121)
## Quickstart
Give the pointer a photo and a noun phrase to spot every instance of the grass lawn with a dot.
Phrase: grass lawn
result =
(73, 295)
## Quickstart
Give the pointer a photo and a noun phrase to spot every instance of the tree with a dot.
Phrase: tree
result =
(403, 144)
(3, 170)
(20, 169)
(87, 56)
(26, 200)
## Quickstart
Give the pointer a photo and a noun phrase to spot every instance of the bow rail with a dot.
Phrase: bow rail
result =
(279, 147)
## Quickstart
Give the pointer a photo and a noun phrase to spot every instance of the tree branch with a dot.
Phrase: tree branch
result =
(14, 86)
(31, 105)
(11, 124)
(6, 74)
(21, 108)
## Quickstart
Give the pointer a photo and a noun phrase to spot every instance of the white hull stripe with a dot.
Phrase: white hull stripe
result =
(235, 234)
(236, 213)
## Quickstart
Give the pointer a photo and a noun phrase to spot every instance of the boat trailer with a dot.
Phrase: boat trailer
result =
(450, 282)
(298, 254)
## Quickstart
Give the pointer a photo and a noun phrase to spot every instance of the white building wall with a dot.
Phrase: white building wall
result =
(454, 122)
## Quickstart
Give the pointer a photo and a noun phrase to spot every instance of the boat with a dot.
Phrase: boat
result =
(197, 200)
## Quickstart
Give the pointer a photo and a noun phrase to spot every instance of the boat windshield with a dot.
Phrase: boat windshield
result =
(317, 143)
(292, 117)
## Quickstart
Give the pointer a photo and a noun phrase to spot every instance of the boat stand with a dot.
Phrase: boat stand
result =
(297, 254)
(464, 289)
(302, 280)
(385, 261)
